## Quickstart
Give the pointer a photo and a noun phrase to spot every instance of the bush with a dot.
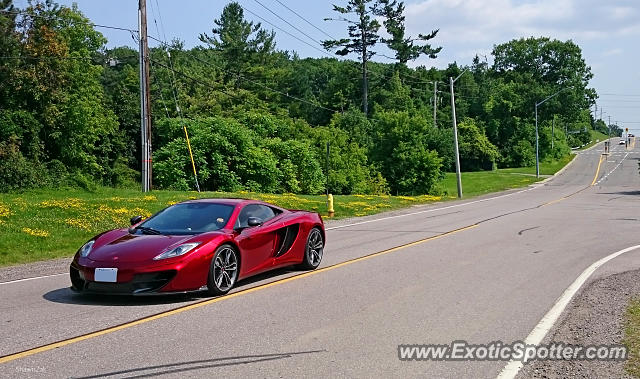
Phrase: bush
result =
(403, 153)
(230, 156)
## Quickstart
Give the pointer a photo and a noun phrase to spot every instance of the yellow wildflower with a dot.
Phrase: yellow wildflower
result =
(35, 232)
(78, 223)
(4, 211)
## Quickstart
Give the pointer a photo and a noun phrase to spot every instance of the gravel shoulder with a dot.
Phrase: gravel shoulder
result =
(29, 270)
(594, 317)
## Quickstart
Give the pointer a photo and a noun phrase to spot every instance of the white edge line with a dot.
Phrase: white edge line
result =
(35, 277)
(533, 186)
(546, 323)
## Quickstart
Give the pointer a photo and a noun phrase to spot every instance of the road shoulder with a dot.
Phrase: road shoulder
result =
(594, 317)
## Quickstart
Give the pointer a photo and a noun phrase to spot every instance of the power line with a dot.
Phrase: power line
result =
(305, 20)
(619, 94)
(209, 85)
(287, 22)
(24, 13)
(284, 31)
(620, 101)
(174, 90)
(262, 85)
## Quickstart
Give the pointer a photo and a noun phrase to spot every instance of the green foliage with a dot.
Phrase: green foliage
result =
(260, 119)
(403, 153)
(403, 46)
(239, 41)
(230, 156)
(476, 152)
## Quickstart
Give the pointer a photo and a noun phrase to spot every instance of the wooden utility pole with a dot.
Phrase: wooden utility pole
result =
(435, 99)
(145, 100)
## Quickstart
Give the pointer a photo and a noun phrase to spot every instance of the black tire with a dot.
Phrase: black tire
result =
(223, 270)
(313, 250)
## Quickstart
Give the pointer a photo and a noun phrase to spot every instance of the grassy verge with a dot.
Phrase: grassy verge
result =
(632, 338)
(546, 167)
(43, 224)
(596, 137)
(483, 182)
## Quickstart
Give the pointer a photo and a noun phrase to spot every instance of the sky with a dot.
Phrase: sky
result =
(607, 31)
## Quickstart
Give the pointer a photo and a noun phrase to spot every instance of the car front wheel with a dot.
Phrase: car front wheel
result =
(223, 271)
(313, 250)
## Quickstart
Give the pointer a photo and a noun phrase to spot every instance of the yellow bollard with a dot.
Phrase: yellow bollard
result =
(330, 205)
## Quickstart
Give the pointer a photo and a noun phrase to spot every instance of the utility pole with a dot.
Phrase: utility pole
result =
(145, 102)
(553, 131)
(537, 136)
(435, 101)
(455, 135)
(609, 125)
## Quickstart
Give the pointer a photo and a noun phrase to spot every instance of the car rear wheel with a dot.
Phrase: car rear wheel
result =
(223, 271)
(314, 249)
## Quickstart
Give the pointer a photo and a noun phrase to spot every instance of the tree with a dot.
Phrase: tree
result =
(552, 65)
(405, 47)
(403, 153)
(9, 46)
(363, 36)
(239, 41)
(476, 152)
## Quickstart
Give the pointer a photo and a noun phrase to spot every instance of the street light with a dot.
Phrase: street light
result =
(455, 132)
(537, 148)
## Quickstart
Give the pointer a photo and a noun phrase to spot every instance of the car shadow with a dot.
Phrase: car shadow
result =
(67, 296)
(627, 193)
(181, 367)
(274, 274)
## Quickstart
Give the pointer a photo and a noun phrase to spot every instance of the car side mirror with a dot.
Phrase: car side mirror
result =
(135, 219)
(254, 221)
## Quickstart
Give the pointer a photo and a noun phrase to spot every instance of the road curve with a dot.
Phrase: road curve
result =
(478, 270)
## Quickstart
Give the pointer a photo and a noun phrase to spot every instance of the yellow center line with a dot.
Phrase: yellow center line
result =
(55, 345)
(597, 171)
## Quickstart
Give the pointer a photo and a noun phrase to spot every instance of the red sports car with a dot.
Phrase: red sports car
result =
(195, 245)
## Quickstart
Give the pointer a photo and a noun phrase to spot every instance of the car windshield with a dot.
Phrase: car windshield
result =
(189, 218)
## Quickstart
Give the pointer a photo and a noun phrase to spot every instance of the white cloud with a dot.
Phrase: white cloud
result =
(490, 20)
(612, 52)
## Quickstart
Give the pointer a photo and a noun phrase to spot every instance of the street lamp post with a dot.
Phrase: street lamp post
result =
(537, 136)
(455, 133)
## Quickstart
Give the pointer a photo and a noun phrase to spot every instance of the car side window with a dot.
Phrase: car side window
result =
(262, 212)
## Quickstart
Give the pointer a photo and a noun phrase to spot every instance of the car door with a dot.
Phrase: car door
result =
(256, 242)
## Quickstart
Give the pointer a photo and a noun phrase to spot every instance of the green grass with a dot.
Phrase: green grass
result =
(483, 182)
(44, 224)
(596, 137)
(632, 338)
(546, 167)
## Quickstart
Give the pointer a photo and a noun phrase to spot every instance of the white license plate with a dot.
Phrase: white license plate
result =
(106, 275)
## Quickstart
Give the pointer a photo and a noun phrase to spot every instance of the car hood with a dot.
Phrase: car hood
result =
(121, 246)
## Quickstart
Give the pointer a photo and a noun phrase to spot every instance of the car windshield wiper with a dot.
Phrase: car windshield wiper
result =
(148, 230)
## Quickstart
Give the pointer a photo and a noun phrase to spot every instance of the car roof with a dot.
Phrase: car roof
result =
(220, 201)
(231, 201)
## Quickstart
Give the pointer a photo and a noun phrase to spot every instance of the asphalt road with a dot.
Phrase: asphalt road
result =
(480, 270)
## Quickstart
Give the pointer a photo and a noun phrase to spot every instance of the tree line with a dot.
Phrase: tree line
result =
(260, 118)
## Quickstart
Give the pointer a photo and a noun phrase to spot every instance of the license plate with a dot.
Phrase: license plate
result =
(106, 275)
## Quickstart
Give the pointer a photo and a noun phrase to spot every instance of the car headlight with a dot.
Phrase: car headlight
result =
(177, 251)
(86, 248)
